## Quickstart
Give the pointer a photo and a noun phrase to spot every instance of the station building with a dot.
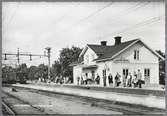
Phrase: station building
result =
(122, 57)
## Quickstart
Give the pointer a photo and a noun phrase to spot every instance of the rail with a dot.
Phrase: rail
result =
(9, 110)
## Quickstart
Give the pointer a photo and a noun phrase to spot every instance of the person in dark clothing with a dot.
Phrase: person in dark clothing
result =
(97, 79)
(139, 77)
(117, 79)
(110, 79)
(104, 80)
(78, 79)
(134, 80)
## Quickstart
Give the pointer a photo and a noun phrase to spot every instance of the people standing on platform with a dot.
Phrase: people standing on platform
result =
(129, 80)
(139, 77)
(104, 80)
(117, 79)
(81, 80)
(97, 80)
(89, 79)
(78, 79)
(124, 80)
(110, 79)
(84, 79)
(134, 80)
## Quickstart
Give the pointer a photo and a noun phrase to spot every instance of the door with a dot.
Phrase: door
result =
(93, 75)
(124, 75)
(104, 77)
(147, 75)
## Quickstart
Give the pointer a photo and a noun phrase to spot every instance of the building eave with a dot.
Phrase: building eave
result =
(105, 59)
(114, 56)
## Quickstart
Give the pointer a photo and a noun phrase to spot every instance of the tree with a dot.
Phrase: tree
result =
(161, 68)
(42, 72)
(67, 56)
(32, 73)
(160, 53)
(22, 73)
(8, 75)
(56, 70)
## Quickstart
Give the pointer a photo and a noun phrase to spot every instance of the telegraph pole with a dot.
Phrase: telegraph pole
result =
(18, 54)
(18, 59)
(48, 52)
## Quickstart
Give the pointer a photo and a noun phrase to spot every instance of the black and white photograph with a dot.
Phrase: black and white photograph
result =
(83, 57)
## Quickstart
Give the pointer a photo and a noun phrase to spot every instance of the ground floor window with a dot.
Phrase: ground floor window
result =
(146, 72)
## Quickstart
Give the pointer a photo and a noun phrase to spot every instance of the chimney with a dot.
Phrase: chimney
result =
(103, 43)
(117, 40)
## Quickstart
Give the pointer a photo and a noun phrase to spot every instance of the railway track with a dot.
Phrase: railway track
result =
(13, 105)
(7, 110)
(93, 103)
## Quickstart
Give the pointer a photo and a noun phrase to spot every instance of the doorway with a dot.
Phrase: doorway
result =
(104, 77)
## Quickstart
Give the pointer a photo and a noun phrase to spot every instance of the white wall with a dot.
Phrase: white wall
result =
(77, 71)
(101, 66)
(90, 53)
(145, 56)
(146, 60)
(154, 70)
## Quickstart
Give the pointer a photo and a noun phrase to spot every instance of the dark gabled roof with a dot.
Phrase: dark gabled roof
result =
(75, 63)
(108, 51)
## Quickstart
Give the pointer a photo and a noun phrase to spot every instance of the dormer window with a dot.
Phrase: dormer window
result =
(136, 54)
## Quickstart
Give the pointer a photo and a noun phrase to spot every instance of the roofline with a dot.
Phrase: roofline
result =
(87, 46)
(125, 48)
(130, 46)
(83, 51)
(72, 65)
(155, 53)
(119, 51)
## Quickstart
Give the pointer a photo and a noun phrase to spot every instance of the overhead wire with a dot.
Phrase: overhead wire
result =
(66, 14)
(90, 15)
(127, 12)
(124, 12)
(143, 23)
(141, 27)
(11, 18)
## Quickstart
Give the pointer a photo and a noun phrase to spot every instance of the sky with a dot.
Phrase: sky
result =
(33, 26)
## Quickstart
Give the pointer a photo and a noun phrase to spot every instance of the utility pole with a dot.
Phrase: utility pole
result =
(48, 52)
(18, 54)
(18, 59)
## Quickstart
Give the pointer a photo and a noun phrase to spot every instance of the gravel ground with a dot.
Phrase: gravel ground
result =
(104, 93)
(57, 105)
(54, 103)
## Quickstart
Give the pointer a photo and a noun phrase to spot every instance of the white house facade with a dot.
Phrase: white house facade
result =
(122, 58)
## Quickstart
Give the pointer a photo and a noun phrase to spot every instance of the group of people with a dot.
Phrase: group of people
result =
(129, 80)
(85, 79)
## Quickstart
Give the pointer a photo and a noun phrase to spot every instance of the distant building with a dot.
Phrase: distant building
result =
(122, 57)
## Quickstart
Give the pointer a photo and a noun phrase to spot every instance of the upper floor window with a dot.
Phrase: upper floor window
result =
(136, 54)
(87, 58)
(93, 57)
